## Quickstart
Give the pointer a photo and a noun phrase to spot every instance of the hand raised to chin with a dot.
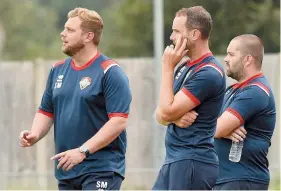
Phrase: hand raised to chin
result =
(173, 55)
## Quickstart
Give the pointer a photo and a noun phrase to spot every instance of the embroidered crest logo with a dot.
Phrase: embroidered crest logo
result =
(85, 82)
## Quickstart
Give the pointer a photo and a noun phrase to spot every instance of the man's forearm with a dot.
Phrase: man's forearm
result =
(159, 118)
(224, 129)
(108, 133)
(166, 89)
(41, 125)
(221, 133)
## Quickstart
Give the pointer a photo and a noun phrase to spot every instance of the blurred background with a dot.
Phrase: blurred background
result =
(135, 33)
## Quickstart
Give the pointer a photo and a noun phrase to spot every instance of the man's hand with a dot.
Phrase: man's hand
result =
(27, 138)
(68, 159)
(238, 134)
(186, 120)
(172, 56)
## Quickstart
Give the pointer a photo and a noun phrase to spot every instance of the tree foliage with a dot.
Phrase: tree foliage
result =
(131, 27)
(32, 27)
(29, 30)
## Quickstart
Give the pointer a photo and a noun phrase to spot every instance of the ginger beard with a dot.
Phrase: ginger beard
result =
(71, 50)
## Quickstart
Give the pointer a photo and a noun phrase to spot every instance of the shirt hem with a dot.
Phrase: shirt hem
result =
(191, 158)
(87, 172)
(262, 181)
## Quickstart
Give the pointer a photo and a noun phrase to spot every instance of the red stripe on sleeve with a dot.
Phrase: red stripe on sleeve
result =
(234, 112)
(125, 115)
(48, 114)
(191, 96)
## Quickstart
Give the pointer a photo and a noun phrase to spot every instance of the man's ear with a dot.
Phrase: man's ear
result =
(90, 36)
(196, 34)
(248, 59)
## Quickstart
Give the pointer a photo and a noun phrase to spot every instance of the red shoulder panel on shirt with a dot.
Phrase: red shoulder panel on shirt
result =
(59, 63)
(261, 86)
(108, 64)
(210, 64)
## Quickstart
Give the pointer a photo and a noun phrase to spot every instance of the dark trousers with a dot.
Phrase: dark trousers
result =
(187, 175)
(241, 185)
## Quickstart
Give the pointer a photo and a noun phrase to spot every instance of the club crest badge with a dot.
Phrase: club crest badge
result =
(85, 82)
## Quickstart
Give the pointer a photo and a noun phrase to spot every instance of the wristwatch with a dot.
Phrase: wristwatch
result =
(84, 149)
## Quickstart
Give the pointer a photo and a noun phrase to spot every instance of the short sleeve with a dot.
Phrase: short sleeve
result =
(117, 92)
(46, 107)
(204, 83)
(250, 101)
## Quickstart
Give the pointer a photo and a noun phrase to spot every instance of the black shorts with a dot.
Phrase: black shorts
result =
(93, 181)
(187, 175)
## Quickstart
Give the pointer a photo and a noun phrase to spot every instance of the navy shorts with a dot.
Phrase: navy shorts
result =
(93, 181)
(241, 185)
(187, 175)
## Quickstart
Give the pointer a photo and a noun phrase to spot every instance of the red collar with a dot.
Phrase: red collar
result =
(238, 85)
(87, 64)
(191, 63)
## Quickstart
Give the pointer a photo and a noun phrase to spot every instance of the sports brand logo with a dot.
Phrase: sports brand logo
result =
(228, 91)
(188, 73)
(58, 83)
(85, 82)
(180, 72)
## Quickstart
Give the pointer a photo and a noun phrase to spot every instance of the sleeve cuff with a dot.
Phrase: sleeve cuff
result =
(48, 114)
(125, 115)
(191, 96)
(234, 112)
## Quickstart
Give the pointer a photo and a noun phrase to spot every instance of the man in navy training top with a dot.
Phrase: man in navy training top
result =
(249, 103)
(87, 97)
(199, 84)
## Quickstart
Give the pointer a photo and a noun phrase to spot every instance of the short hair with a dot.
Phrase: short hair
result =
(91, 22)
(253, 45)
(197, 18)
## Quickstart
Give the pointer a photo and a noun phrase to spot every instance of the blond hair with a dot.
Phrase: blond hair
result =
(91, 22)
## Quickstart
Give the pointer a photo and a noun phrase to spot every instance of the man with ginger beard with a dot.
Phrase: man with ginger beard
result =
(191, 162)
(87, 98)
(248, 115)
